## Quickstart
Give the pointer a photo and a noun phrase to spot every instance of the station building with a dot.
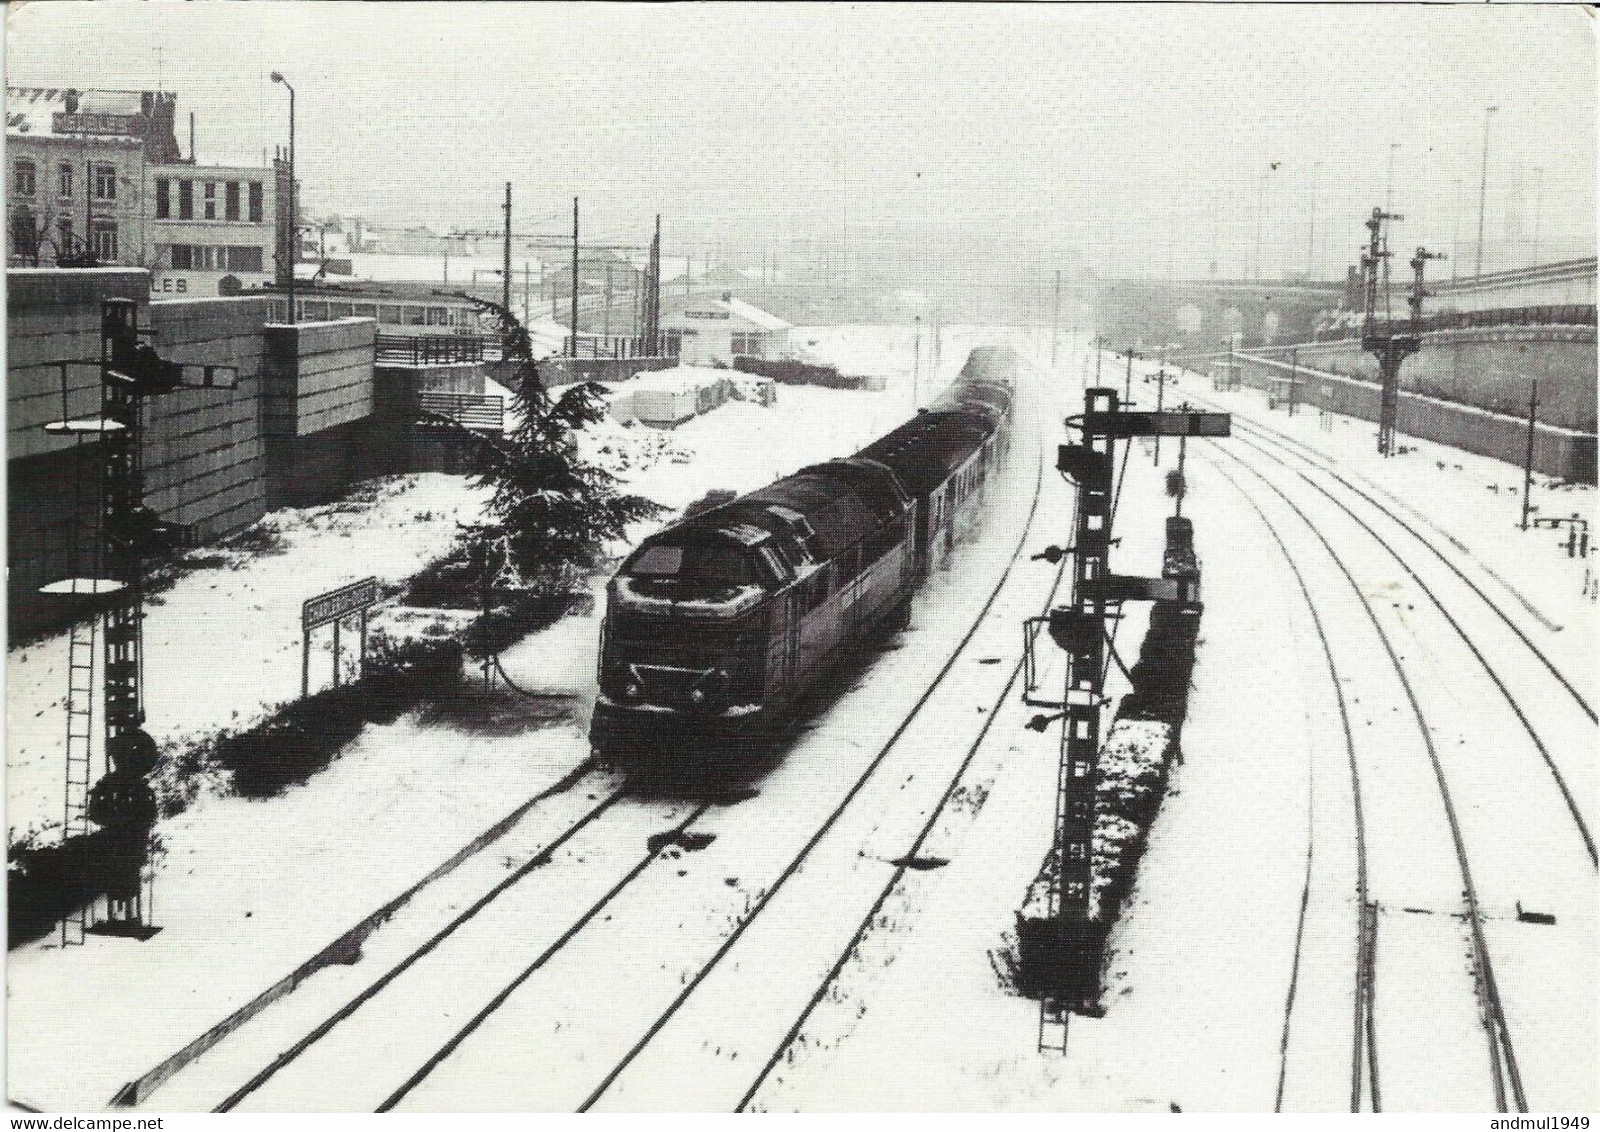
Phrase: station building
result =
(713, 331)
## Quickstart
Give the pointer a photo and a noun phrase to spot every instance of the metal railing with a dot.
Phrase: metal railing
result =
(435, 349)
(469, 410)
(1563, 314)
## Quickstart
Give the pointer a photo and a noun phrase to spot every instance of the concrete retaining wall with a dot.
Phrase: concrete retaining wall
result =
(54, 314)
(318, 375)
(203, 455)
(1563, 453)
(1487, 369)
(204, 460)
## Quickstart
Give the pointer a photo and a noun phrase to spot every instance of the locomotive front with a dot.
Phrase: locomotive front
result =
(684, 645)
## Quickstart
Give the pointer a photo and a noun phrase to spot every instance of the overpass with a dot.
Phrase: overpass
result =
(1198, 314)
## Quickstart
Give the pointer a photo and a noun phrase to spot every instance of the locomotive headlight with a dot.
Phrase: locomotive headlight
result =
(632, 691)
(697, 696)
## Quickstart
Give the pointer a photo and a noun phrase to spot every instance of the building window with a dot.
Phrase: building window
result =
(749, 345)
(232, 201)
(244, 259)
(64, 236)
(391, 315)
(182, 257)
(105, 183)
(211, 200)
(255, 202)
(23, 180)
(416, 316)
(438, 316)
(365, 310)
(105, 241)
(185, 200)
(64, 180)
(163, 198)
(24, 239)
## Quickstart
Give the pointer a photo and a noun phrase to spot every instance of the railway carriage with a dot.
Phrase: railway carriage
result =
(720, 625)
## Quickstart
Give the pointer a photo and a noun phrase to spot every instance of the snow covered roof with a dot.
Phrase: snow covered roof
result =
(763, 319)
(32, 110)
(688, 310)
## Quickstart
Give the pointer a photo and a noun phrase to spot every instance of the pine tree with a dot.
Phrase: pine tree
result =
(552, 513)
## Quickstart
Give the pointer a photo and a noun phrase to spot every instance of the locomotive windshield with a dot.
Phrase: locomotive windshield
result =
(709, 567)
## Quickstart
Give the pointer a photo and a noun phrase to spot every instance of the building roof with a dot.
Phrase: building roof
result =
(732, 308)
(764, 319)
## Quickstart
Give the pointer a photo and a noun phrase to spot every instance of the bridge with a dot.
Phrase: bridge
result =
(1197, 314)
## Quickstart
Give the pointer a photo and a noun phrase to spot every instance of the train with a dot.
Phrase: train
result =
(720, 626)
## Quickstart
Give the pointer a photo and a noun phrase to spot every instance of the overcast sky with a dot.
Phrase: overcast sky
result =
(1135, 136)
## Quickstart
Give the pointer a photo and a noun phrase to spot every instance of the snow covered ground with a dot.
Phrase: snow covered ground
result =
(1231, 981)
(259, 871)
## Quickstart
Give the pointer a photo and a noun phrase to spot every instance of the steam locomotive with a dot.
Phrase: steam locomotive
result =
(719, 626)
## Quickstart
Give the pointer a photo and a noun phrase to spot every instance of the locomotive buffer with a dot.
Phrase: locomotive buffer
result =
(1066, 955)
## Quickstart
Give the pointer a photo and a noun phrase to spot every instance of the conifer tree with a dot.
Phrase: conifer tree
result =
(552, 513)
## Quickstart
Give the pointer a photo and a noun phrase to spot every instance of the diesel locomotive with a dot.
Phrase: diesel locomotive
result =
(720, 625)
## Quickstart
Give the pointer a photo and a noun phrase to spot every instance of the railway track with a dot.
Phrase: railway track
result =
(1497, 677)
(1323, 464)
(1505, 1075)
(1363, 1051)
(596, 908)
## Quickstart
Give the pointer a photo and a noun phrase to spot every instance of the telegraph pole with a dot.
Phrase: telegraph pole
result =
(1483, 184)
(505, 274)
(1055, 321)
(574, 276)
(1527, 461)
(607, 316)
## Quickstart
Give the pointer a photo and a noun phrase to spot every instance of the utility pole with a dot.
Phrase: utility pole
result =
(1055, 321)
(1127, 382)
(1483, 184)
(916, 368)
(1311, 239)
(1161, 396)
(505, 273)
(527, 290)
(574, 276)
(607, 330)
(1538, 207)
(1527, 460)
(1261, 203)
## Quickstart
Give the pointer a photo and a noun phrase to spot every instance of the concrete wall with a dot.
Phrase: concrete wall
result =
(318, 375)
(52, 315)
(203, 453)
(317, 397)
(1562, 453)
(1488, 370)
(204, 457)
(395, 387)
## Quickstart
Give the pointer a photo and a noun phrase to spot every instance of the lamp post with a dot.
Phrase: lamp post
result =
(293, 244)
(1261, 203)
(1483, 183)
(1388, 193)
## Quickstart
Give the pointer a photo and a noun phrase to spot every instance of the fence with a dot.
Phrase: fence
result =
(436, 349)
(617, 347)
(469, 410)
(1565, 314)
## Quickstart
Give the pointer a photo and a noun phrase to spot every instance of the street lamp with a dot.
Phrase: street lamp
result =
(1261, 198)
(1483, 183)
(294, 232)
